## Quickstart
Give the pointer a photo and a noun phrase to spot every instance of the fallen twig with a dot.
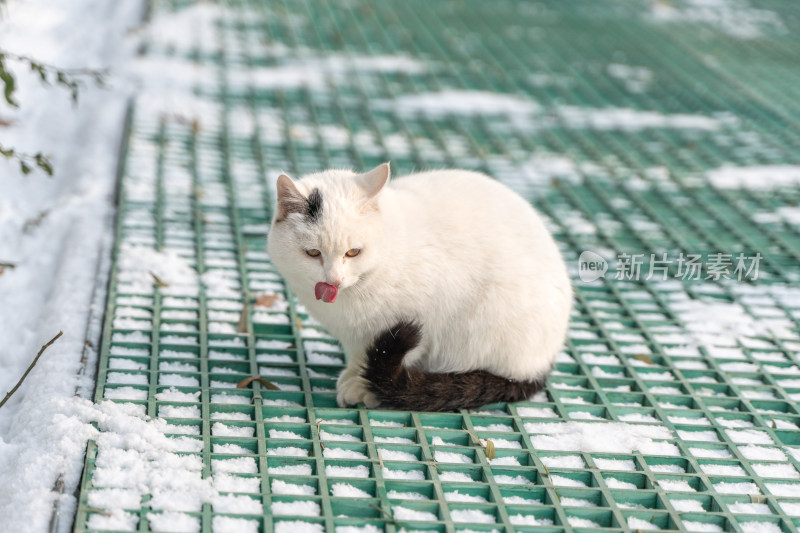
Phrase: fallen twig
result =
(95, 510)
(35, 360)
(159, 282)
(241, 327)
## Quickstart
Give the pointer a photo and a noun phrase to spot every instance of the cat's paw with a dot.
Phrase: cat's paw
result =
(352, 388)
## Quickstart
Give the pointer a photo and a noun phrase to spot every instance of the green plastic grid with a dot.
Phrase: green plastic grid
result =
(635, 352)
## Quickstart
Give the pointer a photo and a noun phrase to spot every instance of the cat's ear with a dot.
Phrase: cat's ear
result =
(373, 181)
(290, 199)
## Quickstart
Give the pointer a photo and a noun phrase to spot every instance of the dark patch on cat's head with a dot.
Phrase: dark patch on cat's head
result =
(290, 200)
(313, 210)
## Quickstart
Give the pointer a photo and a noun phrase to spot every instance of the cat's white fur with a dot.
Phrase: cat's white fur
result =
(453, 250)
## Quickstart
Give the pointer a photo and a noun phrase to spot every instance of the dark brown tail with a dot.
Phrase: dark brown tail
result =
(413, 390)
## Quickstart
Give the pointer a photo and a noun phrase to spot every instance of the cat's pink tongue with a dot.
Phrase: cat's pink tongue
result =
(326, 292)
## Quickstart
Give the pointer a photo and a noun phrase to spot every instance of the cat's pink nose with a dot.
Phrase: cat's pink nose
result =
(326, 292)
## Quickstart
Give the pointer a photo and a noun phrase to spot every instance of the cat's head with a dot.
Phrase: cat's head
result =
(327, 234)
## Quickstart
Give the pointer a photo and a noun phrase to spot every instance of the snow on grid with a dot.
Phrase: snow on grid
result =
(673, 405)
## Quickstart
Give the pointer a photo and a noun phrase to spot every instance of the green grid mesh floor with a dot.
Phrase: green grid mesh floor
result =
(614, 118)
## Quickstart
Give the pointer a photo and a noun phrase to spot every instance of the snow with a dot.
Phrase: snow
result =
(615, 483)
(230, 399)
(776, 470)
(457, 477)
(218, 429)
(749, 436)
(341, 453)
(694, 526)
(345, 490)
(171, 522)
(455, 496)
(358, 471)
(404, 513)
(688, 506)
(241, 465)
(282, 434)
(505, 461)
(118, 519)
(134, 458)
(632, 119)
(792, 509)
(711, 453)
(121, 498)
(461, 102)
(368, 528)
(296, 508)
(344, 437)
(236, 505)
(749, 508)
(529, 520)
(290, 470)
(737, 18)
(230, 483)
(124, 393)
(282, 487)
(668, 469)
(760, 527)
(641, 525)
(317, 358)
(789, 490)
(297, 526)
(519, 500)
(675, 485)
(503, 443)
(723, 470)
(399, 495)
(600, 437)
(451, 457)
(396, 455)
(233, 449)
(288, 451)
(563, 461)
(755, 177)
(614, 464)
(472, 515)
(393, 440)
(575, 521)
(226, 524)
(725, 487)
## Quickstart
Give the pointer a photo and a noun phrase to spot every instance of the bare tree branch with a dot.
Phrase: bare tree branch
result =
(35, 360)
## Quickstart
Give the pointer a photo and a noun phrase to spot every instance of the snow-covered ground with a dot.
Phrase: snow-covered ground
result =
(57, 232)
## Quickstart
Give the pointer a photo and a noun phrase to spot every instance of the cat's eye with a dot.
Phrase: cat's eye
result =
(313, 252)
(352, 252)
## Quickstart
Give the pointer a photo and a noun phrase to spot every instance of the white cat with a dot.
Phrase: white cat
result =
(444, 287)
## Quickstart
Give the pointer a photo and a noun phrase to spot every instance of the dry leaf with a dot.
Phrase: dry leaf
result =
(266, 300)
(490, 450)
(247, 381)
(158, 280)
(644, 359)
